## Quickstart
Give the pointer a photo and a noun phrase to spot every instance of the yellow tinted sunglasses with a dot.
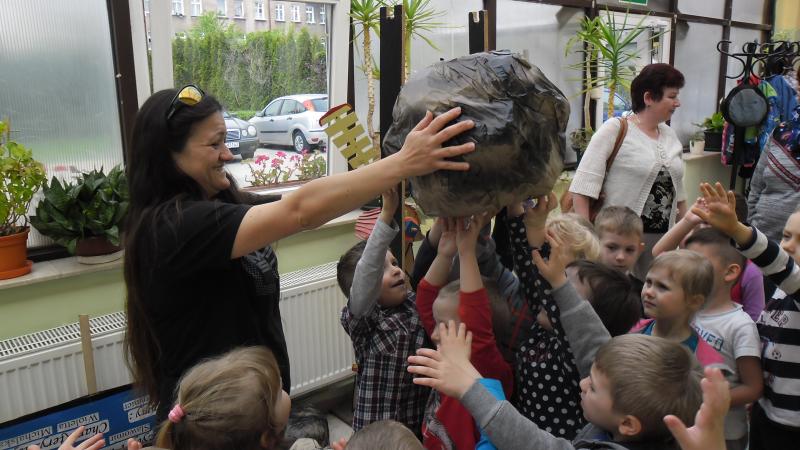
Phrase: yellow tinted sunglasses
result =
(188, 95)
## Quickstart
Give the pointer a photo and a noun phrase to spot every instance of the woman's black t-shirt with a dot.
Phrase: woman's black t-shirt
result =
(199, 301)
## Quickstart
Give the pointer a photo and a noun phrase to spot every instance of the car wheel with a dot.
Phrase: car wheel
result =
(299, 141)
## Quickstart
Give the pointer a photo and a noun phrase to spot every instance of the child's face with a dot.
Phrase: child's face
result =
(790, 243)
(445, 309)
(620, 251)
(597, 402)
(663, 296)
(393, 286)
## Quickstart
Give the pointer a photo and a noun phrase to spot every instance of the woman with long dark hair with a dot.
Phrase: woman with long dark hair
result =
(201, 276)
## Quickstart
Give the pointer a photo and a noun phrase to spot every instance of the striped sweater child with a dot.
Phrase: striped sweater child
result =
(779, 328)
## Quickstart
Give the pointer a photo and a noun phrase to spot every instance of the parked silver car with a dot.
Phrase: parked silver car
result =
(293, 120)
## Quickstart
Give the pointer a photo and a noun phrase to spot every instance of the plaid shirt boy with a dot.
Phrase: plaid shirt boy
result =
(383, 339)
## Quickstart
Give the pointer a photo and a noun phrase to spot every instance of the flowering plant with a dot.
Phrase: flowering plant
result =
(279, 169)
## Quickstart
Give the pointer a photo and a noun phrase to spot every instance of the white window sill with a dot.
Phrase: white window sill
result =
(704, 155)
(69, 267)
(57, 269)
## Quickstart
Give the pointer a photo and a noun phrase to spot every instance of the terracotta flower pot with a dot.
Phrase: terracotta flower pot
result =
(13, 255)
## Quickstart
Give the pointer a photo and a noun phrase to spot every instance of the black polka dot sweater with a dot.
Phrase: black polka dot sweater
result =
(547, 390)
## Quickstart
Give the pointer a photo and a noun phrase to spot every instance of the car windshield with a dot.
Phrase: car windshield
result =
(320, 104)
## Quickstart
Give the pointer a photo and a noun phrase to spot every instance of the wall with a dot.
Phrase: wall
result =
(35, 307)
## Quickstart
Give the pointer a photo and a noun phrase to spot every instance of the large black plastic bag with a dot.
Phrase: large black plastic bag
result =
(520, 118)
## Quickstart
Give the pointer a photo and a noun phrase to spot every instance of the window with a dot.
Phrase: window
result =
(279, 13)
(291, 107)
(295, 13)
(177, 7)
(238, 8)
(309, 14)
(273, 108)
(197, 8)
(147, 7)
(259, 9)
(221, 9)
(322, 15)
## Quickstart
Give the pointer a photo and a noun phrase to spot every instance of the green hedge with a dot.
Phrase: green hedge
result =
(247, 73)
(245, 114)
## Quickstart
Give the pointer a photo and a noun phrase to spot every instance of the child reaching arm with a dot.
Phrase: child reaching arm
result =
(382, 321)
(447, 423)
(775, 418)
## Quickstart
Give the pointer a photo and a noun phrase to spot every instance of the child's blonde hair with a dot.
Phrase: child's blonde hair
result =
(226, 402)
(689, 269)
(651, 377)
(620, 220)
(577, 233)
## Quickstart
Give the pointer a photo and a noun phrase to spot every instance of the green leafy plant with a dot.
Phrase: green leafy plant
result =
(93, 206)
(608, 56)
(20, 177)
(421, 19)
(366, 18)
(713, 123)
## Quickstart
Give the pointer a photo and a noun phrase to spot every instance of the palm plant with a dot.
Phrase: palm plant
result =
(366, 18)
(608, 56)
(421, 19)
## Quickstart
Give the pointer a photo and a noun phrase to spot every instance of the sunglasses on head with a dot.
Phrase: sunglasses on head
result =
(188, 95)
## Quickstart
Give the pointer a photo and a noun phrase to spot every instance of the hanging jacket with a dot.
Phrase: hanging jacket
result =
(787, 96)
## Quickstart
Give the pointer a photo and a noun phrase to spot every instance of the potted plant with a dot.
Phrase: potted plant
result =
(85, 216)
(579, 140)
(712, 130)
(20, 177)
(697, 143)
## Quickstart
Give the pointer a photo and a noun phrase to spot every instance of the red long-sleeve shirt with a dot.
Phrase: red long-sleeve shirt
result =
(474, 311)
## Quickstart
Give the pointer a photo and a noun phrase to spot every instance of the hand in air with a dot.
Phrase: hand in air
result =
(707, 433)
(448, 369)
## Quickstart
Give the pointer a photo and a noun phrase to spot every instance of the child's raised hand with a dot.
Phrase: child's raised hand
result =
(515, 209)
(693, 218)
(390, 200)
(133, 444)
(536, 217)
(554, 269)
(468, 229)
(709, 423)
(447, 238)
(448, 370)
(95, 442)
(720, 212)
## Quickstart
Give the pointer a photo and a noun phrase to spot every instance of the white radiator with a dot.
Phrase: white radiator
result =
(44, 369)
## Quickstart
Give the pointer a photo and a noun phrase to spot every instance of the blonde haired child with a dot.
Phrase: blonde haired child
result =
(775, 419)
(676, 287)
(232, 401)
(577, 233)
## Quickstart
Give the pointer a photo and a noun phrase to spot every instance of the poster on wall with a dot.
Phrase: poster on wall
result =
(118, 414)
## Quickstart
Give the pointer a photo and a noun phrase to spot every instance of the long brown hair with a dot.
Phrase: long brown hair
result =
(155, 183)
(228, 402)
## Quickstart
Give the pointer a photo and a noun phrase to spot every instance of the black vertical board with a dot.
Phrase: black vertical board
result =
(119, 21)
(478, 24)
(391, 64)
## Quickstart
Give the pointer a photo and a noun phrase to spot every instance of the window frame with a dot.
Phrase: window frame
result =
(224, 11)
(240, 4)
(258, 6)
(199, 5)
(322, 15)
(310, 13)
(174, 11)
(280, 12)
(296, 13)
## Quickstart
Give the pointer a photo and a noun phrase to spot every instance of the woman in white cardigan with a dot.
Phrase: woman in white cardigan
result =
(647, 173)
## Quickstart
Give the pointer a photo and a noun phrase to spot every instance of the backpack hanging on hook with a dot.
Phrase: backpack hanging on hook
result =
(745, 106)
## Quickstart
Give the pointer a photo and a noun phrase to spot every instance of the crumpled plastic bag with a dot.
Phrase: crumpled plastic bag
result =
(520, 119)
